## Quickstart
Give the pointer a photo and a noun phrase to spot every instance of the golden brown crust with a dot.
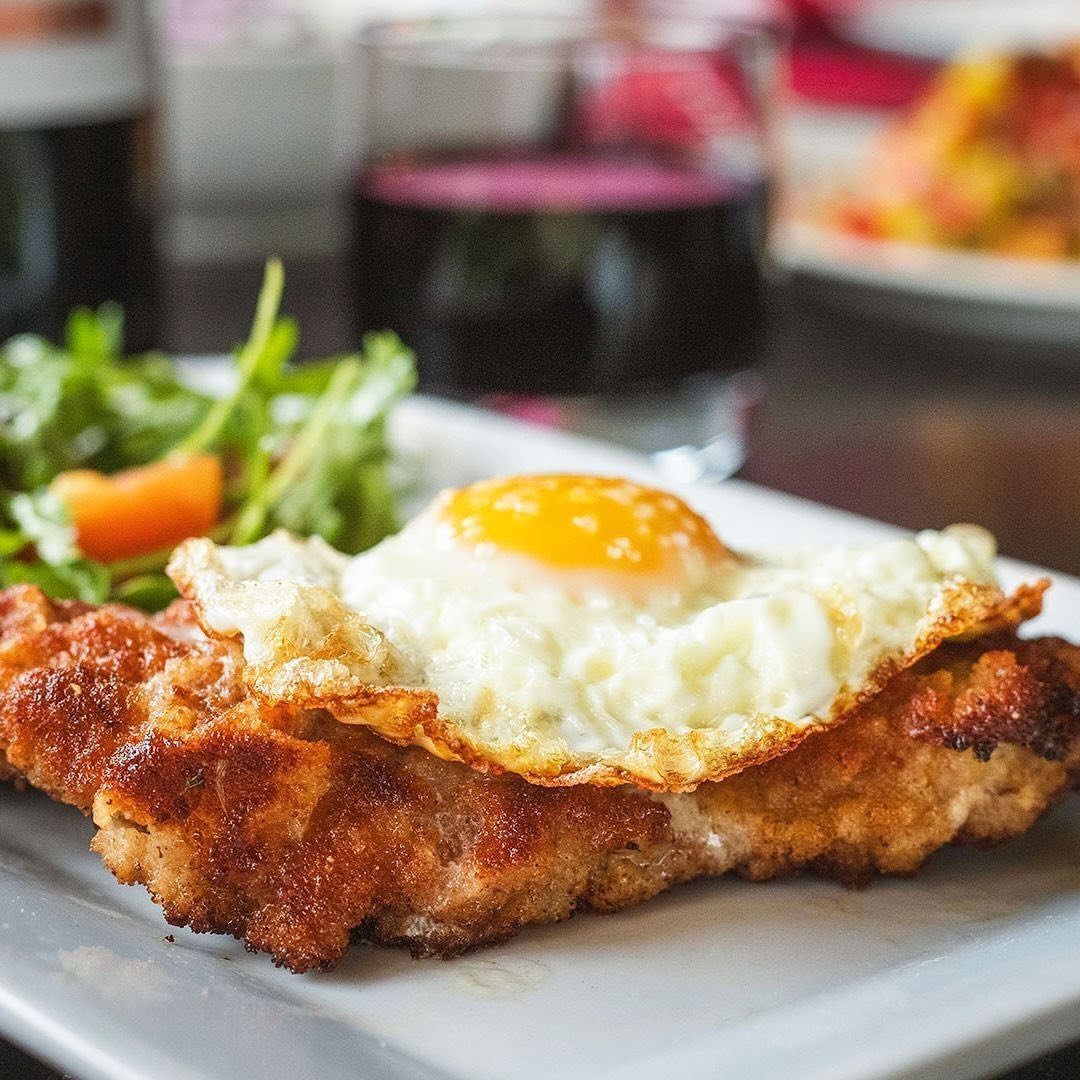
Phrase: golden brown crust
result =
(883, 792)
(1019, 693)
(295, 832)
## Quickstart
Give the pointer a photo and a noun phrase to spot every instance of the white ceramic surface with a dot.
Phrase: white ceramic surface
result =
(969, 292)
(960, 971)
(941, 28)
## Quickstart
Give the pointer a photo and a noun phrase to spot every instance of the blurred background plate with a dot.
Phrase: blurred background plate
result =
(963, 291)
(940, 28)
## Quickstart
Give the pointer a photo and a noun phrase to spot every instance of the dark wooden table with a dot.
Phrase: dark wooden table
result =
(913, 427)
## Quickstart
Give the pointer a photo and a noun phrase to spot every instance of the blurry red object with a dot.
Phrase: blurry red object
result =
(828, 70)
(678, 102)
(539, 411)
(831, 74)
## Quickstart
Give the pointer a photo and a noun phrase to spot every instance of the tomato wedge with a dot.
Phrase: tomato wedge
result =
(141, 510)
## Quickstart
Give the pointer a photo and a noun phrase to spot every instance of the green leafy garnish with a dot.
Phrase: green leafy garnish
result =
(59, 567)
(303, 447)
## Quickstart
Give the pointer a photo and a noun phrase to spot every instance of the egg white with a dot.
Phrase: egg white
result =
(537, 672)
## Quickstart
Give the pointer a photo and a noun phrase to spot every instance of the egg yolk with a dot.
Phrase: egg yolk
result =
(583, 523)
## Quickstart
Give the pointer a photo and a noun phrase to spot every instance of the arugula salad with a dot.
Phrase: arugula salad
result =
(107, 462)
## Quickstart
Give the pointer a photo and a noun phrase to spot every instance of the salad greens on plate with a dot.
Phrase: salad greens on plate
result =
(107, 461)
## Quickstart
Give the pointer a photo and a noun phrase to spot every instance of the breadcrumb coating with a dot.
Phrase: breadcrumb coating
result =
(298, 833)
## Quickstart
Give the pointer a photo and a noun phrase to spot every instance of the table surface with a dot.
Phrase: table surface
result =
(912, 427)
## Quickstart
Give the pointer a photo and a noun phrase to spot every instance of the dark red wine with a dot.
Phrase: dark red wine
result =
(73, 229)
(562, 273)
(75, 198)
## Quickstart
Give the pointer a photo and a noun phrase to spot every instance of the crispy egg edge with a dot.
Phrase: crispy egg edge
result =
(310, 677)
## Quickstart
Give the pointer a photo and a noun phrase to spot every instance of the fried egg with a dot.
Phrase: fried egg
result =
(585, 629)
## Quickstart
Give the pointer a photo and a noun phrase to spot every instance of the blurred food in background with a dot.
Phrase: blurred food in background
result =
(988, 158)
(932, 181)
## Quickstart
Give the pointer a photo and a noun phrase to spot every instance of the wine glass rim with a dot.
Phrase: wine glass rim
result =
(522, 31)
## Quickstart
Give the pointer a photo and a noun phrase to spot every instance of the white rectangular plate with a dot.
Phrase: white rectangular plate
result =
(963, 970)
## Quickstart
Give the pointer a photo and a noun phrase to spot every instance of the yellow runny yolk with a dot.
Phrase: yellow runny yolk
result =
(583, 523)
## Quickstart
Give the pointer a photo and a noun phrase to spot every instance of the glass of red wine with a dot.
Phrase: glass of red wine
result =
(566, 206)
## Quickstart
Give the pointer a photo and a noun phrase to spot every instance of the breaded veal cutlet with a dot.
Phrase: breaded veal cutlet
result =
(298, 833)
